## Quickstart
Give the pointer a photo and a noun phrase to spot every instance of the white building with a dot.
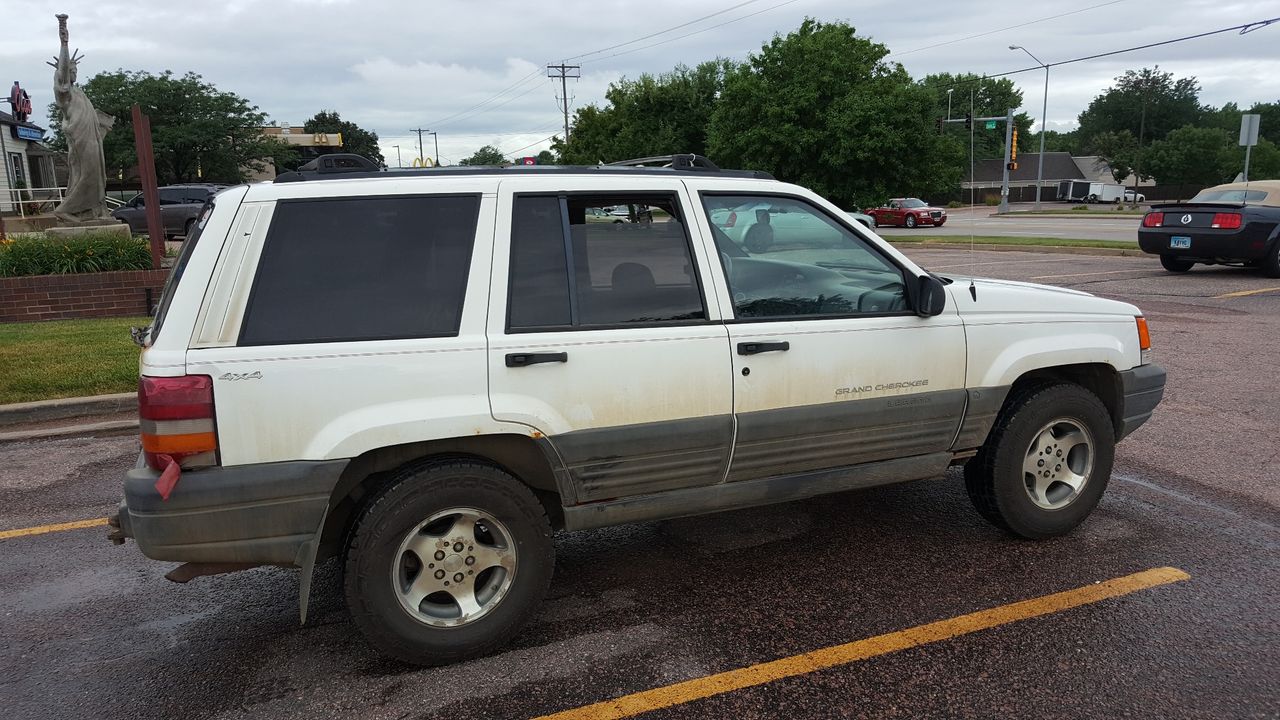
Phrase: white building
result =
(27, 163)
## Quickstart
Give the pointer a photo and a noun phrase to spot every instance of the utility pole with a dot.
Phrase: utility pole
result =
(419, 131)
(398, 163)
(435, 161)
(1008, 144)
(564, 72)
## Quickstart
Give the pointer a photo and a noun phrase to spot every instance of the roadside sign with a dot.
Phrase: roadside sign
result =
(1249, 129)
(991, 124)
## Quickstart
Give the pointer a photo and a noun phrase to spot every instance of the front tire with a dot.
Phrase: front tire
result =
(1046, 462)
(1175, 264)
(448, 562)
(910, 222)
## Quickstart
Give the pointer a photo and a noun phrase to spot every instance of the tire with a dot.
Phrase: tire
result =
(1008, 496)
(384, 573)
(1271, 263)
(188, 228)
(910, 222)
(1175, 264)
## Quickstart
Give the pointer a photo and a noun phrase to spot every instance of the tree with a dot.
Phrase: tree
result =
(197, 131)
(652, 115)
(1120, 150)
(1146, 103)
(487, 155)
(354, 138)
(992, 97)
(546, 157)
(821, 107)
(1191, 156)
(1068, 142)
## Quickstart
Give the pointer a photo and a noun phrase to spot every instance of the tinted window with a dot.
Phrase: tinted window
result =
(172, 196)
(362, 269)
(787, 258)
(539, 294)
(631, 261)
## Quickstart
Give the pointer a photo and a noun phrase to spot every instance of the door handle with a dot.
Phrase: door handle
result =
(753, 348)
(525, 359)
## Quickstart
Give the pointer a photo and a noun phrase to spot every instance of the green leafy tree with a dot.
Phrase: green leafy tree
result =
(355, 139)
(651, 115)
(1191, 156)
(546, 157)
(487, 155)
(1120, 150)
(821, 107)
(197, 131)
(1054, 141)
(992, 97)
(1165, 102)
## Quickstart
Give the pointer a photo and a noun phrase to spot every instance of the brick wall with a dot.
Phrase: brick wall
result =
(60, 297)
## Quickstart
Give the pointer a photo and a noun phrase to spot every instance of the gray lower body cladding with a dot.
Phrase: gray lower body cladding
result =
(246, 514)
(1141, 389)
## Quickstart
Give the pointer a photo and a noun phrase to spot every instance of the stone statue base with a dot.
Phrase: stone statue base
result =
(90, 227)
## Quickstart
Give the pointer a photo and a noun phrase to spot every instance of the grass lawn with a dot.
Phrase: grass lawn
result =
(67, 358)
(988, 240)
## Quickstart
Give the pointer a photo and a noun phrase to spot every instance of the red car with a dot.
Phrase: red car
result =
(908, 212)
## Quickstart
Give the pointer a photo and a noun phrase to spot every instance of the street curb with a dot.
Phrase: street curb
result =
(46, 410)
(1047, 249)
(1059, 216)
(111, 427)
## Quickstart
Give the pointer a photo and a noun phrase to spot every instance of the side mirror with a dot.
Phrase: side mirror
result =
(931, 296)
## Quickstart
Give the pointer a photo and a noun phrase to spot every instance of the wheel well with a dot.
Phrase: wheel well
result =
(1099, 378)
(365, 475)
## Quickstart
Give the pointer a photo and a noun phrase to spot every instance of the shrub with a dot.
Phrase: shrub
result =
(992, 200)
(955, 204)
(1080, 207)
(36, 254)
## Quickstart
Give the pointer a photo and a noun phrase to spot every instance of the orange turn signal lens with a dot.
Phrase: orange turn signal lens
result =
(1144, 335)
(188, 444)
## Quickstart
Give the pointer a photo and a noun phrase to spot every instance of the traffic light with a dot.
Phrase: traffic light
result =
(1013, 149)
(968, 121)
(1012, 165)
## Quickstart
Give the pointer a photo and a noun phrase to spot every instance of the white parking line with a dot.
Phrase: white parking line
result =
(1109, 272)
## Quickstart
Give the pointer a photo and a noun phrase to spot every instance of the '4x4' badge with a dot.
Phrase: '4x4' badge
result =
(255, 375)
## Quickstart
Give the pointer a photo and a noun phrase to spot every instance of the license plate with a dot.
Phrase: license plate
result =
(1180, 242)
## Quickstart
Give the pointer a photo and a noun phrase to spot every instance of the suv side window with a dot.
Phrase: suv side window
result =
(373, 268)
(613, 269)
(173, 197)
(789, 259)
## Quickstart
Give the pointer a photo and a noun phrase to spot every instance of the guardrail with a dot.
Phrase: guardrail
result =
(32, 201)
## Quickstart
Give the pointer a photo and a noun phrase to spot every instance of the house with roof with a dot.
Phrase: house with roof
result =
(1058, 166)
(27, 162)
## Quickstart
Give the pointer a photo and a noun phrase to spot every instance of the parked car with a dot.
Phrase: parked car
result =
(1131, 197)
(1232, 224)
(865, 220)
(909, 213)
(179, 207)
(429, 373)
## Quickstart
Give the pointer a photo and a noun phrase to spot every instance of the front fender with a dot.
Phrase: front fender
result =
(996, 364)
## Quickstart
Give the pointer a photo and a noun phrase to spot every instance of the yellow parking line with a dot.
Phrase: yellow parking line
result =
(704, 687)
(57, 527)
(1243, 293)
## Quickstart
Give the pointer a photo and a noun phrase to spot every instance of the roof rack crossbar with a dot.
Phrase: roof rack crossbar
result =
(679, 161)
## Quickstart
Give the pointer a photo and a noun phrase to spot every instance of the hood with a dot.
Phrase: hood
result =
(1023, 298)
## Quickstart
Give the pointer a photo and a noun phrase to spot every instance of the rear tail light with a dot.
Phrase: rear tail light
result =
(1144, 340)
(1155, 219)
(176, 416)
(1226, 221)
(733, 219)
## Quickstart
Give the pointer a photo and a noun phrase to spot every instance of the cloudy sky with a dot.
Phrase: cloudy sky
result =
(475, 71)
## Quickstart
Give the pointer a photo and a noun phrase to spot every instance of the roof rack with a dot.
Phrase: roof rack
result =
(681, 161)
(341, 166)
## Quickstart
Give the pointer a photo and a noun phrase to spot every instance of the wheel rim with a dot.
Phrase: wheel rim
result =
(1058, 463)
(454, 567)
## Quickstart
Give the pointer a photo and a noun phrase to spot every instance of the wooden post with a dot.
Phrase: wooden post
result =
(150, 191)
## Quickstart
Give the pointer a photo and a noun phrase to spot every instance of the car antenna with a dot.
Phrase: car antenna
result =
(973, 264)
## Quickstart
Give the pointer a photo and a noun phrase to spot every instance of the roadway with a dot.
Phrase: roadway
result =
(1081, 627)
(982, 221)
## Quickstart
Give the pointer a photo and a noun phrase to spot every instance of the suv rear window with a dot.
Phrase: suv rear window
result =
(374, 268)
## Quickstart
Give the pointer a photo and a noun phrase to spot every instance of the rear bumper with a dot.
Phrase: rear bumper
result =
(1247, 243)
(1141, 390)
(245, 514)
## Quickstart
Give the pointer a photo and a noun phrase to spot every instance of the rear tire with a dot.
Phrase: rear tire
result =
(1175, 264)
(403, 562)
(910, 222)
(1046, 462)
(1271, 263)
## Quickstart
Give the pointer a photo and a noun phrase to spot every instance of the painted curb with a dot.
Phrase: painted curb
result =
(46, 410)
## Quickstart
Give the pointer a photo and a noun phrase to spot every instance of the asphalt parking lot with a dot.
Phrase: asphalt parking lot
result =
(981, 221)
(91, 630)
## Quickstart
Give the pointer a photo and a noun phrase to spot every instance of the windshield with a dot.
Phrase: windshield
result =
(1232, 196)
(914, 203)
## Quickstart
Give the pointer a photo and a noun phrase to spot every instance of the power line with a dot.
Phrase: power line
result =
(497, 95)
(1000, 30)
(663, 32)
(691, 34)
(526, 147)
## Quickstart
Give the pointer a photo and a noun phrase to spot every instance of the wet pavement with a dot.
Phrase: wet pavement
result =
(90, 630)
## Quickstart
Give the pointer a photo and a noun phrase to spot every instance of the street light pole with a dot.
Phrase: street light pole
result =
(949, 91)
(398, 163)
(1044, 122)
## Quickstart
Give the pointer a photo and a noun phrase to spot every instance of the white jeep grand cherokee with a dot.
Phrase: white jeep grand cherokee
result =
(430, 372)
